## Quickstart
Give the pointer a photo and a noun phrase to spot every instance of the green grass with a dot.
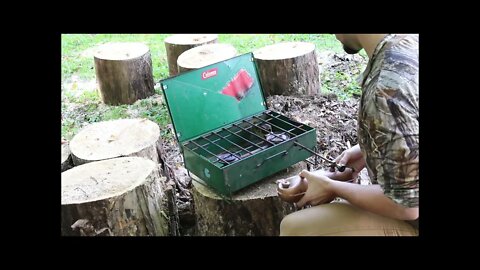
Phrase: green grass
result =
(74, 63)
(77, 61)
(89, 96)
(117, 112)
(246, 43)
(157, 113)
(343, 85)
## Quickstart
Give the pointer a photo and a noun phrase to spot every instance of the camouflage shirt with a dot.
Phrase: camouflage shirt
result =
(388, 118)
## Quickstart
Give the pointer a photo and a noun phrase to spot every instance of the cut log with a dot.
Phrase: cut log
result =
(116, 197)
(66, 157)
(205, 55)
(177, 44)
(116, 138)
(124, 72)
(254, 211)
(289, 68)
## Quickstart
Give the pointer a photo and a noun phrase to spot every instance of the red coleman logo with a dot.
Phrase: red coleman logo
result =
(209, 73)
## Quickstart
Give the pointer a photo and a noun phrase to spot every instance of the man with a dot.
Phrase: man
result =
(388, 147)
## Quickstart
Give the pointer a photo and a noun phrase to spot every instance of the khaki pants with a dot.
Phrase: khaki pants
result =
(342, 219)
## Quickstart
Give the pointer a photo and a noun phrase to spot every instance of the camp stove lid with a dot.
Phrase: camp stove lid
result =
(208, 98)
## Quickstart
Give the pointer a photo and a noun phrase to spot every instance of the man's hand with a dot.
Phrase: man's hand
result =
(318, 191)
(351, 158)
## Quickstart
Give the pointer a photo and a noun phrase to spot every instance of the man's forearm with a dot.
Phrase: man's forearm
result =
(371, 198)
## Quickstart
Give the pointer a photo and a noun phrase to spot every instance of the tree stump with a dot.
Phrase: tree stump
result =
(288, 68)
(66, 157)
(177, 44)
(124, 72)
(254, 211)
(205, 55)
(117, 197)
(117, 138)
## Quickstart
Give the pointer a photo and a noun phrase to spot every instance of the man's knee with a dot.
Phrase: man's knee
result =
(287, 225)
(316, 220)
(295, 224)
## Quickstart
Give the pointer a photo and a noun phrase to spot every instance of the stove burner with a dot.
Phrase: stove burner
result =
(227, 157)
(277, 137)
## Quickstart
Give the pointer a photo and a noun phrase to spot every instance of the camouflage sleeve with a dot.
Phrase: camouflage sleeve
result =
(393, 130)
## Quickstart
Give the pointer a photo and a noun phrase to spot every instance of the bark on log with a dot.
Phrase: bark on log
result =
(177, 44)
(254, 211)
(124, 72)
(116, 197)
(186, 210)
(204, 55)
(117, 138)
(66, 157)
(289, 68)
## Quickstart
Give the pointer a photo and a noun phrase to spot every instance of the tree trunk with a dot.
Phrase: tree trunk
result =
(124, 72)
(205, 55)
(254, 211)
(116, 197)
(117, 138)
(177, 44)
(66, 157)
(289, 68)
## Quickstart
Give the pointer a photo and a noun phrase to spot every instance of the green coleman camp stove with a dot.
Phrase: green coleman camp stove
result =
(227, 136)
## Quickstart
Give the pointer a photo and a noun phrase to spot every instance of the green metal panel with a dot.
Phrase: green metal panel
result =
(217, 98)
(229, 179)
(196, 102)
(268, 162)
(205, 170)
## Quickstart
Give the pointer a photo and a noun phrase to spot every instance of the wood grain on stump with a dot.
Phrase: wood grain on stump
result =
(288, 68)
(116, 138)
(253, 211)
(66, 157)
(116, 197)
(124, 72)
(175, 45)
(205, 55)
